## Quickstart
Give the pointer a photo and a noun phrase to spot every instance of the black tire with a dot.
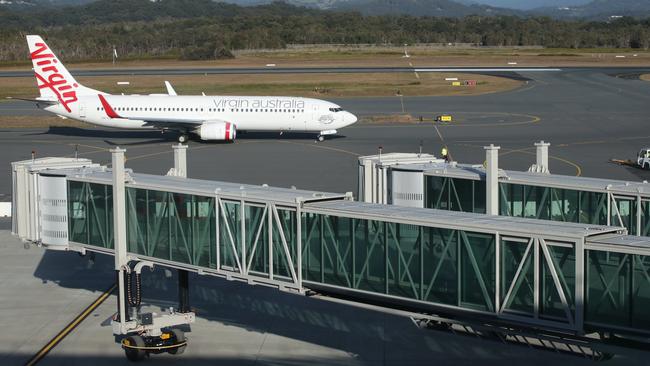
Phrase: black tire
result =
(135, 354)
(182, 138)
(179, 336)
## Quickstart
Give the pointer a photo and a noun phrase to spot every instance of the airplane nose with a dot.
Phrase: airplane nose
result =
(350, 118)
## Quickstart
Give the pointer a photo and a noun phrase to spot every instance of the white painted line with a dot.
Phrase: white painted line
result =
(495, 69)
(270, 65)
(451, 79)
(123, 83)
(512, 63)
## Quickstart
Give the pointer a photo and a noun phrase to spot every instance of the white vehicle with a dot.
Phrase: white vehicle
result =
(643, 159)
(216, 118)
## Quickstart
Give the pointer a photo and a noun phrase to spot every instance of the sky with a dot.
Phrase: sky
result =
(530, 4)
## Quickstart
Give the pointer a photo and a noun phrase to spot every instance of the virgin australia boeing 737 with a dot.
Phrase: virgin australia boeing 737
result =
(215, 118)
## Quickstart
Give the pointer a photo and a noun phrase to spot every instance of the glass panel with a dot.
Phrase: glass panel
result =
(204, 241)
(136, 222)
(593, 208)
(522, 294)
(434, 192)
(608, 288)
(627, 212)
(479, 196)
(77, 213)
(311, 243)
(280, 260)
(563, 260)
(229, 238)
(404, 260)
(641, 294)
(512, 200)
(440, 266)
(645, 218)
(536, 202)
(564, 205)
(462, 192)
(158, 233)
(477, 270)
(369, 252)
(337, 251)
(256, 228)
(100, 212)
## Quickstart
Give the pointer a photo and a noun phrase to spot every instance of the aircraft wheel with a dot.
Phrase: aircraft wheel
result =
(182, 138)
(321, 138)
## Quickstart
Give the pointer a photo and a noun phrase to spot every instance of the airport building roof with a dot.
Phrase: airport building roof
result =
(460, 220)
(204, 187)
(477, 172)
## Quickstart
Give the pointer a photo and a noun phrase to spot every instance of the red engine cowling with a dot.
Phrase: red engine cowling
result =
(217, 131)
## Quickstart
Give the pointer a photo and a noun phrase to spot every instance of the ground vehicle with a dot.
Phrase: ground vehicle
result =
(444, 118)
(643, 159)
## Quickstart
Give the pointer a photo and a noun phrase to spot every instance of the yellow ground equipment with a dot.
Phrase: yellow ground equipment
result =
(444, 118)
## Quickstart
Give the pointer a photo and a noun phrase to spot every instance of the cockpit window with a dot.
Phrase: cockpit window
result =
(338, 109)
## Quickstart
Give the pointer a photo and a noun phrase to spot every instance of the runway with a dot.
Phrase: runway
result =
(277, 70)
(588, 115)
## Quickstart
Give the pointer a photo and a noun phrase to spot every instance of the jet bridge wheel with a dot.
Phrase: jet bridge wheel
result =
(134, 348)
(182, 138)
(178, 338)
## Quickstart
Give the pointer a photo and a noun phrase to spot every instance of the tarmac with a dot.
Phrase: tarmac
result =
(588, 115)
(237, 324)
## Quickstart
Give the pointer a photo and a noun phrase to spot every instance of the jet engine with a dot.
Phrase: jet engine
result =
(217, 130)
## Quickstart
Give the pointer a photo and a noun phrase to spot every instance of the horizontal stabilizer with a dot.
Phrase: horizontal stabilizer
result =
(37, 100)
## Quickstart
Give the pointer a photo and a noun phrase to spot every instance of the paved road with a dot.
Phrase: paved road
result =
(588, 116)
(276, 70)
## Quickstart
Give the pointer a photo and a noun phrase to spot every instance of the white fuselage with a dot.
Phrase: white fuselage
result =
(247, 113)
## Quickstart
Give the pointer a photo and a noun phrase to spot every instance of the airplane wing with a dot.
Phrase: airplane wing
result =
(37, 100)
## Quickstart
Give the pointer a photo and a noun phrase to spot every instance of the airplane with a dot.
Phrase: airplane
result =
(210, 118)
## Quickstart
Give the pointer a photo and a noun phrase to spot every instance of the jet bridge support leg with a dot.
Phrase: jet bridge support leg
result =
(183, 291)
(149, 332)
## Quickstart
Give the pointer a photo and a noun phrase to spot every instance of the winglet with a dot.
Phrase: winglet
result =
(170, 89)
(107, 107)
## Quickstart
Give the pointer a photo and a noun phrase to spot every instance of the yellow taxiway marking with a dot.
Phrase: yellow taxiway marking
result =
(70, 327)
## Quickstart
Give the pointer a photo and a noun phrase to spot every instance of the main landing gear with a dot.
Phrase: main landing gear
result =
(182, 138)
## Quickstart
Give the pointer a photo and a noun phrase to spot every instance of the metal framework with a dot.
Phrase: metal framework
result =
(630, 209)
(575, 277)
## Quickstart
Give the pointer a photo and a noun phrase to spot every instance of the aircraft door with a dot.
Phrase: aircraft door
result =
(82, 109)
(313, 117)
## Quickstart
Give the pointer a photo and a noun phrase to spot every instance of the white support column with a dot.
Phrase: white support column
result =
(119, 227)
(492, 179)
(180, 160)
(365, 195)
(542, 156)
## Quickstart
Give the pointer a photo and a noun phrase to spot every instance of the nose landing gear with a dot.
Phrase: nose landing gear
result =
(182, 138)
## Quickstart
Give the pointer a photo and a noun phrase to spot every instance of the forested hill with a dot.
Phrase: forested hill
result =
(202, 29)
(107, 11)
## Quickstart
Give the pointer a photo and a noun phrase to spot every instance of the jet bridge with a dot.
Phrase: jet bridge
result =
(571, 278)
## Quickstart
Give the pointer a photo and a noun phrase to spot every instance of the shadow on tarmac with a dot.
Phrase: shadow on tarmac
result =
(157, 136)
(366, 336)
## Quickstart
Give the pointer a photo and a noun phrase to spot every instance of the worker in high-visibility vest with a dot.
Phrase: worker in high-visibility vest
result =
(445, 154)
